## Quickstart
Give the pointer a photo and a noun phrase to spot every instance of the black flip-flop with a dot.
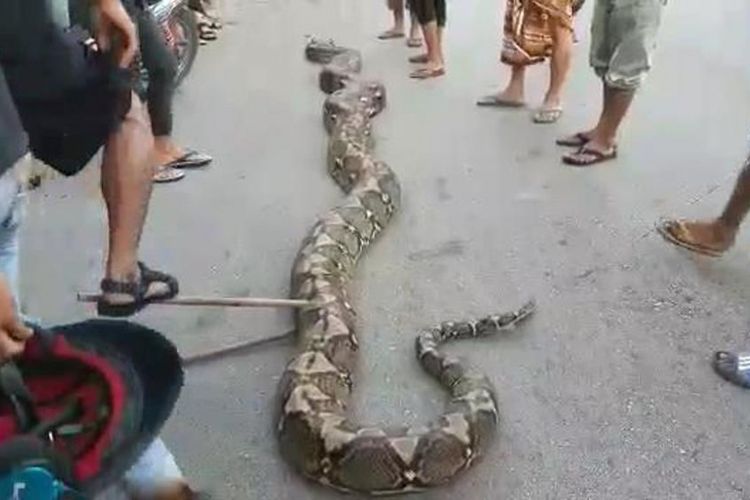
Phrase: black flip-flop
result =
(391, 35)
(577, 140)
(734, 368)
(207, 33)
(191, 159)
(138, 290)
(498, 102)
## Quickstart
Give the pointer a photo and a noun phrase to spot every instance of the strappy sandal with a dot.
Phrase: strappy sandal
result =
(734, 368)
(138, 290)
(677, 233)
(576, 140)
(587, 157)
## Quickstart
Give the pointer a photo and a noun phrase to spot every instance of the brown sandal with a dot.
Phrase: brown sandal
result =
(420, 59)
(677, 233)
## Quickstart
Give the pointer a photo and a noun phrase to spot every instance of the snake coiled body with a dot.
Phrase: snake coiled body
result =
(314, 433)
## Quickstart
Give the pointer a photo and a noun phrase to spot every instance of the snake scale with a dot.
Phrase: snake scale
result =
(314, 434)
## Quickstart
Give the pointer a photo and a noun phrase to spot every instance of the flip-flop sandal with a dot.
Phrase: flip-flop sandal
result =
(734, 368)
(547, 115)
(586, 157)
(420, 59)
(414, 43)
(499, 102)
(577, 140)
(191, 159)
(138, 290)
(165, 174)
(390, 35)
(426, 73)
(677, 233)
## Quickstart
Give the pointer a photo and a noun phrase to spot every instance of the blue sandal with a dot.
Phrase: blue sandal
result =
(734, 368)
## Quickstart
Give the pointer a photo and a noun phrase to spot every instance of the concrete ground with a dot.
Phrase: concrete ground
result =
(606, 394)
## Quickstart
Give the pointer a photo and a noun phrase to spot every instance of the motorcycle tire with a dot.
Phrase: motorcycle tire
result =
(184, 19)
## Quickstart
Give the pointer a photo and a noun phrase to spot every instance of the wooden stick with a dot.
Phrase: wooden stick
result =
(232, 349)
(216, 301)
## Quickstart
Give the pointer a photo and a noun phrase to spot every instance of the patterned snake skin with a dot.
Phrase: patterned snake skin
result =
(314, 433)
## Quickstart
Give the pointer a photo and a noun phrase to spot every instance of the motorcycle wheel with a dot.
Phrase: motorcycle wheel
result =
(185, 34)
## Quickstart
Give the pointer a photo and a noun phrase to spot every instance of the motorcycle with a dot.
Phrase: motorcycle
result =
(180, 31)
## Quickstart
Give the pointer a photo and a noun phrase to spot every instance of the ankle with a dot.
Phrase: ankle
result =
(552, 100)
(125, 270)
(724, 229)
(602, 140)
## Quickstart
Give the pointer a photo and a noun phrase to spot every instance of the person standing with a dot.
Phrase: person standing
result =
(431, 15)
(161, 65)
(623, 38)
(397, 31)
(535, 30)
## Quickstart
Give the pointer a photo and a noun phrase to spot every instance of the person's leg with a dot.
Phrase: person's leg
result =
(600, 56)
(397, 30)
(415, 37)
(512, 96)
(423, 10)
(562, 53)
(715, 236)
(432, 22)
(156, 475)
(616, 104)
(632, 27)
(11, 213)
(441, 17)
(161, 66)
(127, 168)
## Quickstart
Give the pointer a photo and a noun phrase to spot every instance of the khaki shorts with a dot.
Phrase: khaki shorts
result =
(623, 38)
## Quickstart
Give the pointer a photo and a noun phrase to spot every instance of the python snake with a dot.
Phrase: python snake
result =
(314, 434)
